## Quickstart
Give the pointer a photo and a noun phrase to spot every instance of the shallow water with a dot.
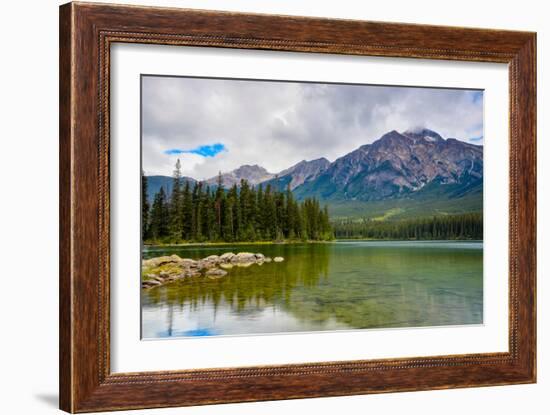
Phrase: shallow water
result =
(321, 286)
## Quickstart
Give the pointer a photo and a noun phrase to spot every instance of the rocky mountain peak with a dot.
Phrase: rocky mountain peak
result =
(422, 133)
(398, 165)
(247, 169)
(254, 174)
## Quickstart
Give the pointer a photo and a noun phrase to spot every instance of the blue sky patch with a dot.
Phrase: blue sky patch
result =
(209, 150)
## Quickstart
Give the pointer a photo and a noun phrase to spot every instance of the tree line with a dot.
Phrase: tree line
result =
(463, 226)
(200, 213)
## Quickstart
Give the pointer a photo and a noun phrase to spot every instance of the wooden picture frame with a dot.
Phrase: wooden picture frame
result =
(86, 33)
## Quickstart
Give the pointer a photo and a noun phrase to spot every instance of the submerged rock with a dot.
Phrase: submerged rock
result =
(226, 266)
(193, 273)
(215, 273)
(150, 283)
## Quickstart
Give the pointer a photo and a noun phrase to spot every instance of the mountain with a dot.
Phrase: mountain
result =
(413, 173)
(253, 174)
(415, 163)
(154, 183)
(298, 174)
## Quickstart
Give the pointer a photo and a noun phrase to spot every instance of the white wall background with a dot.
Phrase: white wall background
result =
(29, 207)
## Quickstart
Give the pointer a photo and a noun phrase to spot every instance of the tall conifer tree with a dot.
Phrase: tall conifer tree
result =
(159, 227)
(176, 223)
(144, 208)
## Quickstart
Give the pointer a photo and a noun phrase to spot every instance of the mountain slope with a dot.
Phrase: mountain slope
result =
(154, 183)
(298, 174)
(253, 174)
(416, 172)
(397, 165)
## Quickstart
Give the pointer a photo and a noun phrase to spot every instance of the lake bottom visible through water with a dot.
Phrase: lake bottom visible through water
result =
(343, 285)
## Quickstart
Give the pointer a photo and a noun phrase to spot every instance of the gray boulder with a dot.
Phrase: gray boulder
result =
(244, 257)
(212, 258)
(227, 257)
(161, 260)
(188, 263)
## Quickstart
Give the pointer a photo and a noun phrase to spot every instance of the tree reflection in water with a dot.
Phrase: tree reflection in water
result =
(323, 286)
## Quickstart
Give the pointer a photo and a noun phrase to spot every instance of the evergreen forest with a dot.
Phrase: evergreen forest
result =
(198, 213)
(195, 212)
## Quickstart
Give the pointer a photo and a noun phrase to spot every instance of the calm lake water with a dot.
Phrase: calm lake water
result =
(325, 286)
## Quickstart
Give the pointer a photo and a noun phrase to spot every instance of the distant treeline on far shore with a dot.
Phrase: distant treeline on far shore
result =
(464, 226)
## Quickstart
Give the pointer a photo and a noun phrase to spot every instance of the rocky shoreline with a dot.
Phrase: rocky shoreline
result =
(161, 270)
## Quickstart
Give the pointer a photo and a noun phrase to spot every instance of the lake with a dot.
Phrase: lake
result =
(343, 285)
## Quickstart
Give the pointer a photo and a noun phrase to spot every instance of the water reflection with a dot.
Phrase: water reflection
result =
(322, 287)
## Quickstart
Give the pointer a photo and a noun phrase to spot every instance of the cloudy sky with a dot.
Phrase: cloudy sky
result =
(216, 125)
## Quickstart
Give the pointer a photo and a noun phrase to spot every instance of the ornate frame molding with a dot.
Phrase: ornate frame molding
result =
(86, 33)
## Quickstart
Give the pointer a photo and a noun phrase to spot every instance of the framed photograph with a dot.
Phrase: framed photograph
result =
(259, 207)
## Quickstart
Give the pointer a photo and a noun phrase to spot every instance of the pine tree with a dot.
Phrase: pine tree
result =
(227, 221)
(176, 224)
(325, 228)
(464, 226)
(246, 213)
(244, 206)
(304, 233)
(236, 213)
(290, 213)
(159, 227)
(218, 205)
(260, 206)
(252, 204)
(213, 230)
(269, 214)
(144, 208)
(208, 215)
(231, 215)
(280, 215)
(196, 224)
(186, 212)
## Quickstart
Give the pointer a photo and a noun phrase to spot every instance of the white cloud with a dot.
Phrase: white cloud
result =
(277, 124)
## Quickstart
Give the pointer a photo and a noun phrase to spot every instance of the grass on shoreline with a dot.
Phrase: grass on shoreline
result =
(289, 242)
(294, 242)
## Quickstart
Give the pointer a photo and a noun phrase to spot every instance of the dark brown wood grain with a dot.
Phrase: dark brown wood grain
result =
(86, 33)
(65, 246)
